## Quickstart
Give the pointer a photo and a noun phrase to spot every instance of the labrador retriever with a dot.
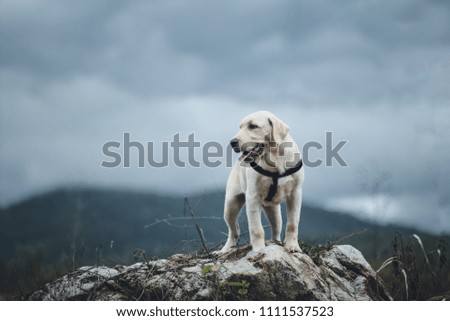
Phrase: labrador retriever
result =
(268, 172)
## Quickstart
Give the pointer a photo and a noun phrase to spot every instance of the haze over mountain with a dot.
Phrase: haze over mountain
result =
(115, 222)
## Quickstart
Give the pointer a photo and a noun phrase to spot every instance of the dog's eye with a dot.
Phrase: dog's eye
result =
(252, 126)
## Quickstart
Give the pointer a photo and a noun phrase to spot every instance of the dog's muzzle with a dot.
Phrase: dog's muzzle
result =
(252, 154)
(247, 155)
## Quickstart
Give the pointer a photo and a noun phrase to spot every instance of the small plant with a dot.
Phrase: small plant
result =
(206, 269)
(237, 289)
(212, 268)
(390, 261)
(139, 255)
(413, 276)
(241, 285)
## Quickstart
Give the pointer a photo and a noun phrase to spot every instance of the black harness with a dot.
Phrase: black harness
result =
(275, 176)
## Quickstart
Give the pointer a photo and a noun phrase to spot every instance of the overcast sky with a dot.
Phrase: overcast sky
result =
(77, 74)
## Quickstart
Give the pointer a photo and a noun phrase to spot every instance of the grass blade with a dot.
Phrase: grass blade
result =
(406, 283)
(424, 253)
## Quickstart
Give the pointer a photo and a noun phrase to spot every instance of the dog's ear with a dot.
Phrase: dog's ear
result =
(279, 129)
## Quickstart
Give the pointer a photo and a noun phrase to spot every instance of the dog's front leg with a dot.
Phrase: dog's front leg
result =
(274, 216)
(294, 203)
(233, 205)
(255, 227)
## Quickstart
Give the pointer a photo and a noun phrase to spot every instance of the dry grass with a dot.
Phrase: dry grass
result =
(412, 276)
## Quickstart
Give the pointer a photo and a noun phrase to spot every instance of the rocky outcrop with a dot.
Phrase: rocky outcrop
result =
(335, 273)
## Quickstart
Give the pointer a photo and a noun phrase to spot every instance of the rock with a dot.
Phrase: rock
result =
(335, 273)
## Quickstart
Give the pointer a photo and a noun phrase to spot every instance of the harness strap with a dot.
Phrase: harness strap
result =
(275, 176)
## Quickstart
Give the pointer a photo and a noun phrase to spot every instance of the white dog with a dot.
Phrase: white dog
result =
(268, 172)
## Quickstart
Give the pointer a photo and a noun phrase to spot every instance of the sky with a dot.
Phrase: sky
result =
(77, 74)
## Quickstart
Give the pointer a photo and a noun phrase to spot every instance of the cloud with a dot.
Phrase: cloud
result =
(315, 52)
(76, 75)
(412, 210)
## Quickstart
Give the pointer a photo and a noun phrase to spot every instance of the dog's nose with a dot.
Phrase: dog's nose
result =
(235, 144)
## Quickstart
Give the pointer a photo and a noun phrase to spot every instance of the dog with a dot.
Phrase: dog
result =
(268, 172)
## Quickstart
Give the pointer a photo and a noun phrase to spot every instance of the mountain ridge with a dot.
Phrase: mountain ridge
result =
(100, 209)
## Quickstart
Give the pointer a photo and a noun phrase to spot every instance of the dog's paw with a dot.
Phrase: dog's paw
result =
(224, 250)
(258, 247)
(276, 242)
(221, 252)
(293, 248)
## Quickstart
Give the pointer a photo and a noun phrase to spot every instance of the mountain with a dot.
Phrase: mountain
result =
(54, 233)
(119, 221)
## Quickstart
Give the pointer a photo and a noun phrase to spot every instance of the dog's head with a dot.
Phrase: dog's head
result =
(258, 131)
